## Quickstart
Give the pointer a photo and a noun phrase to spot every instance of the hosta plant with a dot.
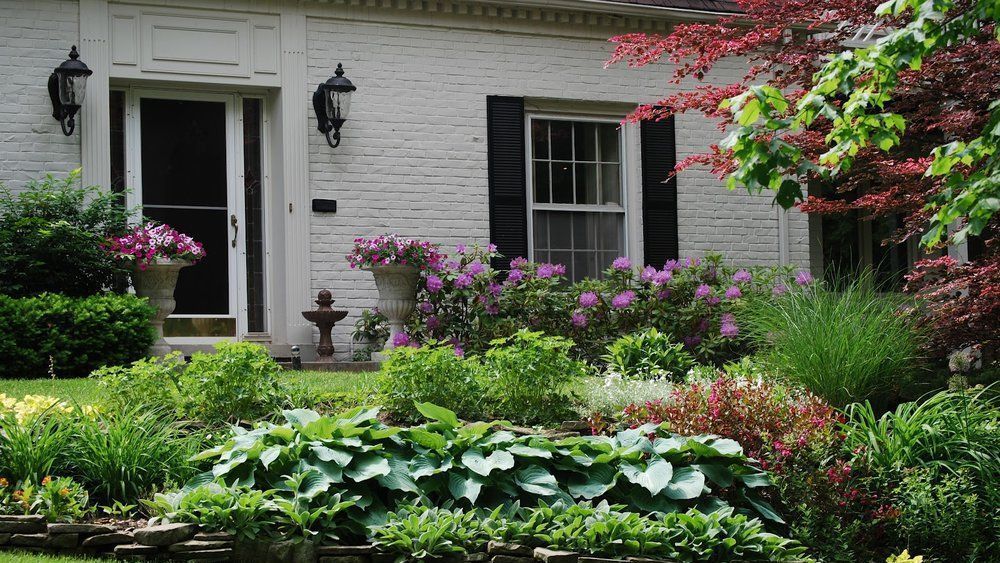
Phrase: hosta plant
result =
(481, 464)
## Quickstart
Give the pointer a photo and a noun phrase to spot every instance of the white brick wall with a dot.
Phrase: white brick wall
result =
(35, 36)
(413, 157)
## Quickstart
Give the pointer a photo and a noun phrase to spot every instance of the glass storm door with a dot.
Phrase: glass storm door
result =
(196, 166)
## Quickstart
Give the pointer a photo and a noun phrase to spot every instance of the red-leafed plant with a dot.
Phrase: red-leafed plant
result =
(886, 154)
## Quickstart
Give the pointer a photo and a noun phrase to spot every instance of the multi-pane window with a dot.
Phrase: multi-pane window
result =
(577, 195)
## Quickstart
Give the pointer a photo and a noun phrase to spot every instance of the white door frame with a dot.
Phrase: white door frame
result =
(234, 176)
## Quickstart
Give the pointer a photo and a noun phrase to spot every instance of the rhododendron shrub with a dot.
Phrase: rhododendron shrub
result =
(914, 140)
(467, 303)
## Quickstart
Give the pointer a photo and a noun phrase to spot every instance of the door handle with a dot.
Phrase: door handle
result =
(236, 227)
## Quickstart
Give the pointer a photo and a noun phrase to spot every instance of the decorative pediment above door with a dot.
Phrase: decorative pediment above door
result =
(194, 45)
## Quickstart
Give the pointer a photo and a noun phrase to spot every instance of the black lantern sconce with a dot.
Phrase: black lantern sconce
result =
(332, 102)
(67, 86)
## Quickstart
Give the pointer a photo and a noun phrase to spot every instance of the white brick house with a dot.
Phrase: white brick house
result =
(202, 110)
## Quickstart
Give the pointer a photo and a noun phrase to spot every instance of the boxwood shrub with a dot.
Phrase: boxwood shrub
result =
(70, 336)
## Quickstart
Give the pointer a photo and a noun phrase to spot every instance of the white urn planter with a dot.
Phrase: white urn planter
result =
(397, 295)
(156, 282)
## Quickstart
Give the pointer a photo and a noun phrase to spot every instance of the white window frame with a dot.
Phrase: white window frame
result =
(629, 163)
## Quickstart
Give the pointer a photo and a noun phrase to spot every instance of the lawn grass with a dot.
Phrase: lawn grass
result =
(86, 391)
(20, 557)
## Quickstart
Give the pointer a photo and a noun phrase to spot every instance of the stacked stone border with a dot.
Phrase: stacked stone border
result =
(186, 542)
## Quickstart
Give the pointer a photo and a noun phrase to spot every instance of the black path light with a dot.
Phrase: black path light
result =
(332, 102)
(67, 86)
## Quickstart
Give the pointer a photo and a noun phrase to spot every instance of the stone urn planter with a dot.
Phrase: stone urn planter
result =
(156, 282)
(397, 295)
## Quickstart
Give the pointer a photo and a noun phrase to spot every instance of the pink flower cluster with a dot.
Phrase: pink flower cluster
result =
(393, 249)
(151, 242)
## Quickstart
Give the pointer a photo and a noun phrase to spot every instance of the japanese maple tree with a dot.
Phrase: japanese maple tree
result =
(909, 122)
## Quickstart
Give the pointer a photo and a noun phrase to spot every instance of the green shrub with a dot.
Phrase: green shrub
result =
(850, 345)
(237, 382)
(51, 235)
(430, 374)
(240, 511)
(647, 355)
(527, 378)
(71, 336)
(944, 514)
(31, 448)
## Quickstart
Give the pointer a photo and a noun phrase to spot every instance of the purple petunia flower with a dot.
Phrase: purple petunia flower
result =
(579, 320)
(803, 278)
(545, 271)
(401, 339)
(588, 299)
(779, 289)
(621, 263)
(733, 292)
(515, 276)
(434, 284)
(463, 281)
(742, 276)
(702, 291)
(476, 268)
(623, 299)
(425, 307)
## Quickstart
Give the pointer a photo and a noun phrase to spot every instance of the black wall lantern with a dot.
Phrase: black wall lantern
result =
(332, 102)
(67, 86)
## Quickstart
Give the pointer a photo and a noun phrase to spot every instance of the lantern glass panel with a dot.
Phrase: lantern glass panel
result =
(338, 104)
(72, 89)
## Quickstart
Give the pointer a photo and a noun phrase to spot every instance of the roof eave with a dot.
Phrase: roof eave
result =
(604, 6)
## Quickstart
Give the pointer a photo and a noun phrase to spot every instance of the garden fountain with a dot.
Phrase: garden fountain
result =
(324, 318)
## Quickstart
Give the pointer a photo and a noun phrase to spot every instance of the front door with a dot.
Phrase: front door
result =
(195, 165)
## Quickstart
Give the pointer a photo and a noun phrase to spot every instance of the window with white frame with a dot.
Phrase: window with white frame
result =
(576, 194)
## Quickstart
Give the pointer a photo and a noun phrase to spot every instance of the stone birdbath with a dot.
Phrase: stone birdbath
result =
(324, 318)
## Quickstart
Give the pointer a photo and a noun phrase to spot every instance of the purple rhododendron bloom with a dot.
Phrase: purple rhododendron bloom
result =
(515, 276)
(491, 247)
(742, 276)
(400, 340)
(662, 277)
(433, 322)
(713, 300)
(495, 289)
(463, 281)
(425, 307)
(623, 299)
(559, 269)
(728, 326)
(545, 271)
(434, 284)
(689, 262)
(691, 341)
(702, 291)
(733, 292)
(476, 268)
(647, 274)
(665, 294)
(459, 351)
(493, 309)
(779, 289)
(588, 299)
(518, 263)
(579, 320)
(460, 248)
(621, 263)
(670, 265)
(803, 278)
(452, 264)
(703, 325)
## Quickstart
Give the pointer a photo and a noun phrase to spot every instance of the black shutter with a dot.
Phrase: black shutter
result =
(659, 195)
(508, 190)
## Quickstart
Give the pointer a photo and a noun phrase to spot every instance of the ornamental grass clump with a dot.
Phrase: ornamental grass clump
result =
(847, 345)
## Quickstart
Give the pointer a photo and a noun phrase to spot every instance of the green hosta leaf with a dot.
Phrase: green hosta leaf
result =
(313, 483)
(330, 469)
(654, 478)
(598, 480)
(300, 417)
(336, 455)
(269, 455)
(474, 460)
(367, 466)
(360, 415)
(764, 508)
(430, 440)
(537, 480)
(671, 445)
(426, 465)
(398, 478)
(464, 487)
(198, 480)
(437, 413)
(283, 433)
(754, 480)
(524, 450)
(687, 483)
(719, 474)
(226, 466)
(499, 437)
